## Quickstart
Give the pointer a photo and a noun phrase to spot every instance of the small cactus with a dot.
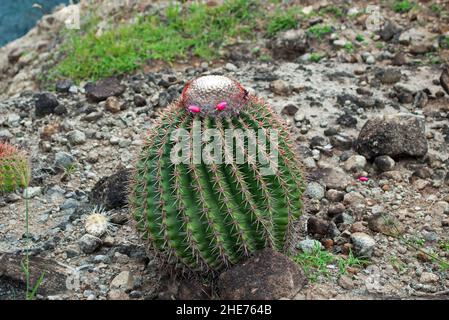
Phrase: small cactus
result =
(210, 215)
(14, 168)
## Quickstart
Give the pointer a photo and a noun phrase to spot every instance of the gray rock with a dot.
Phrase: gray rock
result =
(393, 135)
(309, 245)
(280, 87)
(389, 75)
(46, 104)
(267, 275)
(355, 163)
(384, 163)
(88, 243)
(331, 177)
(315, 190)
(63, 86)
(389, 30)
(289, 44)
(363, 244)
(5, 134)
(123, 281)
(63, 160)
(76, 137)
(31, 192)
(341, 142)
(231, 67)
(334, 195)
(69, 204)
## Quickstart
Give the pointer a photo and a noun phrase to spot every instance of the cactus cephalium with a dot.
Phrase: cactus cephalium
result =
(209, 214)
(14, 168)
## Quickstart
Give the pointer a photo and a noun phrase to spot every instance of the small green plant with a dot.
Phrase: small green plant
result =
(333, 10)
(444, 42)
(398, 265)
(444, 245)
(319, 31)
(433, 58)
(14, 168)
(15, 174)
(349, 47)
(379, 45)
(265, 58)
(315, 57)
(435, 8)
(315, 263)
(283, 20)
(359, 38)
(351, 261)
(417, 241)
(402, 6)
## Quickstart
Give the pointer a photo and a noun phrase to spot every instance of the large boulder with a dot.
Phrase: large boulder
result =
(267, 275)
(393, 135)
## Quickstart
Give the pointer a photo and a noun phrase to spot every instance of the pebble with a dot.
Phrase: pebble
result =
(355, 163)
(113, 104)
(89, 244)
(76, 137)
(309, 245)
(315, 190)
(31, 192)
(384, 163)
(123, 281)
(363, 244)
(63, 160)
(428, 277)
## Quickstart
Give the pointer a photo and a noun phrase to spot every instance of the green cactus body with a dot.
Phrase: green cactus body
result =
(211, 214)
(14, 169)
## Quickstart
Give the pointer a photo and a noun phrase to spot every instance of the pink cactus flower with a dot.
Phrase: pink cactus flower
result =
(363, 179)
(194, 109)
(221, 106)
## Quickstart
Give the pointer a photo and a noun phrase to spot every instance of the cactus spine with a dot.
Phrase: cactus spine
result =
(14, 168)
(210, 215)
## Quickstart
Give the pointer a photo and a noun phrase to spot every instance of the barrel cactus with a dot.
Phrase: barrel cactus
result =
(197, 201)
(14, 168)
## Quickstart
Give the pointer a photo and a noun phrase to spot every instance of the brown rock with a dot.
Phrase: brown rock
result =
(280, 87)
(267, 275)
(393, 135)
(113, 105)
(444, 79)
(317, 226)
(384, 223)
(104, 89)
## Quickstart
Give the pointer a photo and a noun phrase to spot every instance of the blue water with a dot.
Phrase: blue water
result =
(17, 17)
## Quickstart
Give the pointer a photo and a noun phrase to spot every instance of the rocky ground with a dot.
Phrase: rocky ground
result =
(371, 127)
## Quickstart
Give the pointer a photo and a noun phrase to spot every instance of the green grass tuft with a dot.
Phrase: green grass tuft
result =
(180, 32)
(316, 263)
(316, 57)
(402, 6)
(359, 38)
(283, 20)
(319, 31)
(332, 10)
